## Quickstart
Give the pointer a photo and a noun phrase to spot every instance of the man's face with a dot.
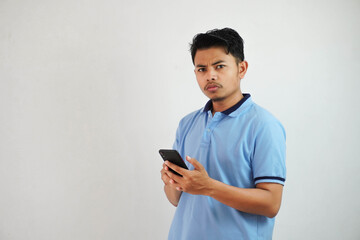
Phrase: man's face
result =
(218, 74)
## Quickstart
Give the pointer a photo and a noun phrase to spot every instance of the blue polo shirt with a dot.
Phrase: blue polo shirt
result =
(241, 146)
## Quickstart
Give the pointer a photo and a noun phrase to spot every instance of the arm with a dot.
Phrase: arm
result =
(264, 199)
(172, 194)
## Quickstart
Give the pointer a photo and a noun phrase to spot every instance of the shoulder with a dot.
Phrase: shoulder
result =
(262, 119)
(191, 117)
(187, 123)
(263, 114)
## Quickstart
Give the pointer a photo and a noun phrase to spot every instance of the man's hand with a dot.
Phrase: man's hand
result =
(195, 181)
(164, 177)
(172, 194)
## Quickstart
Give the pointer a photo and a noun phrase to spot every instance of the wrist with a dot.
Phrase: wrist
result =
(211, 187)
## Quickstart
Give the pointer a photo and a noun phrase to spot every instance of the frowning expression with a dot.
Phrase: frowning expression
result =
(218, 73)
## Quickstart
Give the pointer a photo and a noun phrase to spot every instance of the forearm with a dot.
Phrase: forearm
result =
(264, 200)
(172, 195)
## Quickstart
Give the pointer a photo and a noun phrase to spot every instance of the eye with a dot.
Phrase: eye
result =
(201, 69)
(220, 66)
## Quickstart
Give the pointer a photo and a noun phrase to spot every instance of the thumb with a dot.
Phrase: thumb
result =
(195, 163)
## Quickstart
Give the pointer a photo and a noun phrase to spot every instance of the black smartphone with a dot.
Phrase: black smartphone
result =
(173, 156)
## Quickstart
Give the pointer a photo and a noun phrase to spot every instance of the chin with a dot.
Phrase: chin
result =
(217, 99)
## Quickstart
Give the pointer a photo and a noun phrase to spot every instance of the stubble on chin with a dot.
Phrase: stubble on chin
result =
(217, 99)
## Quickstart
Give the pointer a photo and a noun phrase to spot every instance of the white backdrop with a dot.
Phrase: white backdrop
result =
(90, 90)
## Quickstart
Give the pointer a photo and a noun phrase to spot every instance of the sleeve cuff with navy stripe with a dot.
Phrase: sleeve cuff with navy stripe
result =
(269, 179)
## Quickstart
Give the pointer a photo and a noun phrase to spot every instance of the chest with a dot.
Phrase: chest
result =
(224, 146)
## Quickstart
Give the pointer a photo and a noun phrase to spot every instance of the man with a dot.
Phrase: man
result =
(235, 152)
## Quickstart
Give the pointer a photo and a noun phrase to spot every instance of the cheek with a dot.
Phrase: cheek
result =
(200, 82)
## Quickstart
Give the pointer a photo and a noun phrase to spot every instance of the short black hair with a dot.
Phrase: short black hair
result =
(226, 37)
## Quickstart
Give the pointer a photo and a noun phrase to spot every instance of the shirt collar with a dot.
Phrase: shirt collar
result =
(209, 105)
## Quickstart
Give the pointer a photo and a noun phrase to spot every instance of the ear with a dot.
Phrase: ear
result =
(243, 66)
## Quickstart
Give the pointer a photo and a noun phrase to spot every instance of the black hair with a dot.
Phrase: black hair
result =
(226, 37)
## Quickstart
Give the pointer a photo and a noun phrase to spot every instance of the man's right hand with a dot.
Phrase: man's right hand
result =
(172, 194)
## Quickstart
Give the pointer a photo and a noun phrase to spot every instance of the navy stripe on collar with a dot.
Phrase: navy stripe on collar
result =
(209, 105)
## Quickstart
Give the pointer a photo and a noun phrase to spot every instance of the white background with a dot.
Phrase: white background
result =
(90, 90)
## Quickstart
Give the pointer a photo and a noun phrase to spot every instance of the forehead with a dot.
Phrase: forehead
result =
(211, 55)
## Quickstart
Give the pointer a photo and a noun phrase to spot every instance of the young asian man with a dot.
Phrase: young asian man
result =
(234, 149)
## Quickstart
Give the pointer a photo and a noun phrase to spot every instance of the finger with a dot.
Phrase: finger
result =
(165, 178)
(176, 168)
(197, 165)
(172, 182)
(167, 173)
(174, 177)
(164, 170)
(165, 167)
(175, 186)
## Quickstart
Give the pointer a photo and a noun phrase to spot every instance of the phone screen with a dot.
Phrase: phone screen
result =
(174, 157)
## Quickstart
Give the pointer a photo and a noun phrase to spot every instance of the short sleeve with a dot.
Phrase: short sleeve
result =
(268, 161)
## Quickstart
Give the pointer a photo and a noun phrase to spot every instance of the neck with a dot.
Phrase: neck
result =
(222, 105)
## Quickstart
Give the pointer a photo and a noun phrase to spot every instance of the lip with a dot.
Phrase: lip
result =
(212, 87)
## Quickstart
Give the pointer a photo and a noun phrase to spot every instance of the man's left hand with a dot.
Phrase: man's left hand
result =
(195, 181)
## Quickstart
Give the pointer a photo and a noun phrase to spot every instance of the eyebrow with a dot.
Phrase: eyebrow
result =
(215, 63)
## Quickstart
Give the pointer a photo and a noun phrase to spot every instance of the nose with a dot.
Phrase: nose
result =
(211, 75)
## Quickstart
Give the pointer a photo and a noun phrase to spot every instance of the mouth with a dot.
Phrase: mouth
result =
(212, 87)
